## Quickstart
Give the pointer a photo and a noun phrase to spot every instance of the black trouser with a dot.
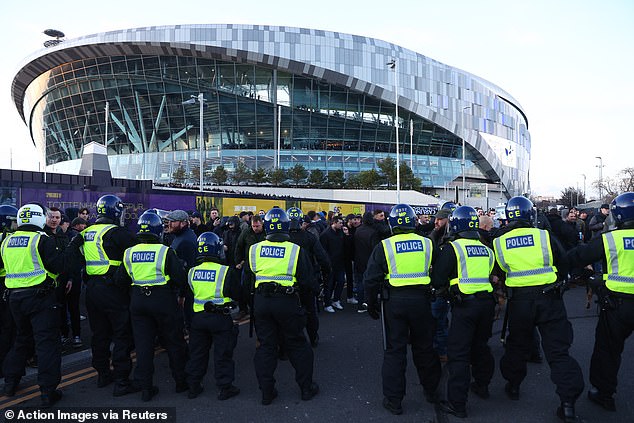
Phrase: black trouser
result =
(408, 318)
(72, 307)
(467, 347)
(155, 315)
(188, 305)
(309, 302)
(349, 278)
(69, 307)
(281, 316)
(613, 328)
(209, 329)
(528, 308)
(109, 316)
(7, 328)
(60, 297)
(36, 315)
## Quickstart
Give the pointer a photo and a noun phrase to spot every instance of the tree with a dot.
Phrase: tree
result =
(388, 170)
(179, 175)
(194, 175)
(571, 197)
(220, 175)
(408, 179)
(297, 173)
(277, 176)
(317, 178)
(242, 173)
(369, 179)
(336, 179)
(353, 181)
(259, 176)
(611, 187)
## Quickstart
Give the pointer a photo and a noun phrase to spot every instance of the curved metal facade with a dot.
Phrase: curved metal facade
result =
(327, 97)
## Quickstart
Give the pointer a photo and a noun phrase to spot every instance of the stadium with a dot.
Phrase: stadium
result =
(272, 97)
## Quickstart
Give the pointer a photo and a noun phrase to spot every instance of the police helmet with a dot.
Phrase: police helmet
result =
(276, 221)
(296, 216)
(8, 215)
(519, 208)
(622, 208)
(449, 205)
(210, 245)
(403, 218)
(111, 207)
(150, 225)
(32, 214)
(463, 219)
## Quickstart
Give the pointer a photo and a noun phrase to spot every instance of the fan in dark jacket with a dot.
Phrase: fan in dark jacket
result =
(366, 237)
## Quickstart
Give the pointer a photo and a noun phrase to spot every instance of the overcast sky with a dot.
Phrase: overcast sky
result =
(569, 63)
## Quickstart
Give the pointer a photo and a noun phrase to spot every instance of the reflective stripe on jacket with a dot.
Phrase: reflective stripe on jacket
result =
(274, 262)
(619, 256)
(97, 261)
(475, 263)
(207, 281)
(408, 259)
(145, 263)
(526, 256)
(22, 260)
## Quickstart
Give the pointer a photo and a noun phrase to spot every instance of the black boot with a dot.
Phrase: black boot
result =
(480, 390)
(195, 389)
(49, 398)
(104, 379)
(124, 387)
(268, 397)
(10, 387)
(310, 392)
(227, 392)
(566, 412)
(181, 386)
(453, 409)
(148, 394)
(604, 400)
(393, 406)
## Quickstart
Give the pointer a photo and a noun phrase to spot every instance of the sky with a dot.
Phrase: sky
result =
(569, 63)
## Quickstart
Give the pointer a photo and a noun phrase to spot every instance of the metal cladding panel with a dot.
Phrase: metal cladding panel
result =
(353, 61)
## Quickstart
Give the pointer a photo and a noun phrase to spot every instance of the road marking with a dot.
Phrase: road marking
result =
(68, 379)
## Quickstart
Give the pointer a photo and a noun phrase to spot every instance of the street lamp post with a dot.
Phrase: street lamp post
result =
(464, 192)
(392, 65)
(44, 130)
(585, 199)
(201, 145)
(411, 144)
(600, 177)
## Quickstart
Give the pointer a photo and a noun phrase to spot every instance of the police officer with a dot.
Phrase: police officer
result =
(615, 250)
(100, 249)
(532, 260)
(464, 267)
(32, 262)
(216, 290)
(155, 272)
(319, 260)
(279, 269)
(399, 269)
(8, 225)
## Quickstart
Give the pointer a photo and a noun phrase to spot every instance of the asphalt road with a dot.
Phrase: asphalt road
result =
(347, 368)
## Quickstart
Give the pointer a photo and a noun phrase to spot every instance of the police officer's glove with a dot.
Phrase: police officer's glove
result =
(374, 311)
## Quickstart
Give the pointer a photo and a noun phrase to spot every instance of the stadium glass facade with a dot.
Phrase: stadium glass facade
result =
(321, 99)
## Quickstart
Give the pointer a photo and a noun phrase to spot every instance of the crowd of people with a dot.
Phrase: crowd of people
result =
(185, 280)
